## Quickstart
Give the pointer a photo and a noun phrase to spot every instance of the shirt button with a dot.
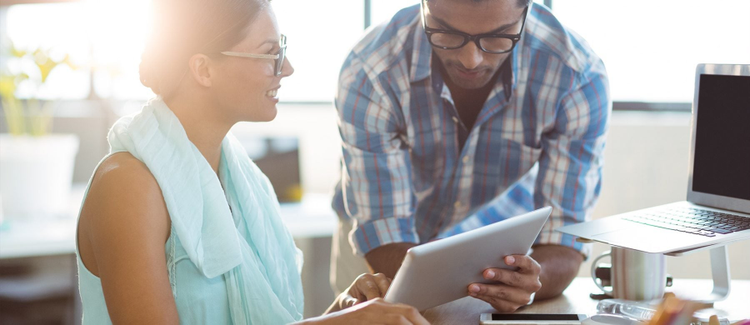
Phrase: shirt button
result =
(457, 204)
(455, 119)
(466, 159)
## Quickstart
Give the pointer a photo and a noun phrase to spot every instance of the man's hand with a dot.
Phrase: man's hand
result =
(512, 289)
(387, 259)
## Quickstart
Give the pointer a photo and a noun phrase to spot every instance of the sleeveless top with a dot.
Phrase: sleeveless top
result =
(199, 300)
(230, 258)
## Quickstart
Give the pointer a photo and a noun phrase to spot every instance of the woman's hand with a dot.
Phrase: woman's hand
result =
(362, 303)
(365, 287)
(372, 311)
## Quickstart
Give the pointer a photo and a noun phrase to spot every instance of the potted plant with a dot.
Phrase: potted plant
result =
(36, 166)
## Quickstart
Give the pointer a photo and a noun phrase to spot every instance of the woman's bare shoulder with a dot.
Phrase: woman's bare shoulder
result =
(125, 197)
(120, 166)
(126, 179)
(123, 227)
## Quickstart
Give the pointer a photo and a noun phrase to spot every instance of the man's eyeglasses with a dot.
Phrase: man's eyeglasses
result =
(453, 39)
(279, 58)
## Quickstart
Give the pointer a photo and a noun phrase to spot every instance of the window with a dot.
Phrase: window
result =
(320, 35)
(105, 39)
(102, 38)
(30, 28)
(651, 48)
(383, 10)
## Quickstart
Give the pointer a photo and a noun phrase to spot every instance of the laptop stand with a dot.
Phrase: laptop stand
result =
(719, 273)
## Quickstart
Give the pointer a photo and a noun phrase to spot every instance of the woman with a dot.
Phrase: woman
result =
(178, 225)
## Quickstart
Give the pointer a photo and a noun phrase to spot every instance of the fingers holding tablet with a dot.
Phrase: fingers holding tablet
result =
(512, 288)
(525, 277)
(525, 263)
(502, 297)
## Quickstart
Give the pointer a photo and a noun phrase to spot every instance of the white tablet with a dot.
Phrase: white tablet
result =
(441, 271)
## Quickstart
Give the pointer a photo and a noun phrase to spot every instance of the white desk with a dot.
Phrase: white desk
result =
(310, 218)
(37, 238)
(313, 217)
(575, 300)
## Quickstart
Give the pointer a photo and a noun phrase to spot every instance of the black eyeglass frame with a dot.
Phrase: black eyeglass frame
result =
(475, 38)
(278, 57)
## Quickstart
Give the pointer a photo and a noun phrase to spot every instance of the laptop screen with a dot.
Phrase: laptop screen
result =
(721, 164)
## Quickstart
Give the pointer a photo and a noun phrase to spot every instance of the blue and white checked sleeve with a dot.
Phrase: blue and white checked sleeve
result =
(570, 168)
(376, 171)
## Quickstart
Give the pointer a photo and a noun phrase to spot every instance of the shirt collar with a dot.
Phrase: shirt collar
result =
(421, 59)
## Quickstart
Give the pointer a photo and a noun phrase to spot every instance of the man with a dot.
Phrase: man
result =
(460, 113)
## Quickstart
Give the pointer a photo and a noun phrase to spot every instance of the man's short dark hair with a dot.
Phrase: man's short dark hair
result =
(521, 3)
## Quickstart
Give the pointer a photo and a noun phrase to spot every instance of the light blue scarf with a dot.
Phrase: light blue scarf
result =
(261, 271)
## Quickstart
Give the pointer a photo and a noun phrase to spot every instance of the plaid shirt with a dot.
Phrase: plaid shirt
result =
(538, 139)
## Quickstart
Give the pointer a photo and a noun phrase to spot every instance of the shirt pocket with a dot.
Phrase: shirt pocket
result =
(505, 163)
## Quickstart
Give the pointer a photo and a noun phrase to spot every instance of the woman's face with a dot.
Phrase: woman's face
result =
(247, 87)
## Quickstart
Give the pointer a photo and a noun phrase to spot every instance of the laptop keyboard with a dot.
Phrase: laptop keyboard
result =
(694, 221)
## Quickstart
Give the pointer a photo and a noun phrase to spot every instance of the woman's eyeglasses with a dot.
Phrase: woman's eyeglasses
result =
(279, 57)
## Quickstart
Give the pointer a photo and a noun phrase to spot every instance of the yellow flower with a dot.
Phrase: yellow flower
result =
(69, 62)
(7, 86)
(35, 113)
(44, 63)
(14, 51)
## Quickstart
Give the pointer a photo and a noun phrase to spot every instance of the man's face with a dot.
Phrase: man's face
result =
(469, 67)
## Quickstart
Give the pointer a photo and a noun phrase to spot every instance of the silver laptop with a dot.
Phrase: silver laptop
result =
(717, 210)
